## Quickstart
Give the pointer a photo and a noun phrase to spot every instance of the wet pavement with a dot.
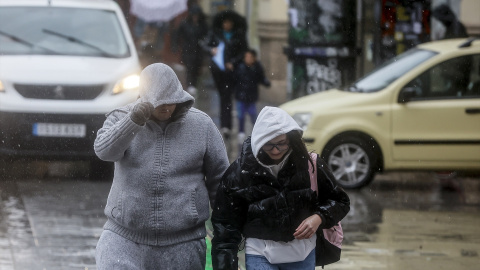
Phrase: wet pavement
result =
(51, 223)
(401, 221)
(413, 221)
(51, 216)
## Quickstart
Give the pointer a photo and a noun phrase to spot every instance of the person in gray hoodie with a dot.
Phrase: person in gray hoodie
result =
(169, 159)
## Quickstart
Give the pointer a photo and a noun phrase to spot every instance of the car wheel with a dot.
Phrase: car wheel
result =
(351, 161)
(101, 170)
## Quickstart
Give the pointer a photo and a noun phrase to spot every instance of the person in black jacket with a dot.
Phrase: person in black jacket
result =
(226, 43)
(453, 27)
(265, 196)
(189, 36)
(247, 75)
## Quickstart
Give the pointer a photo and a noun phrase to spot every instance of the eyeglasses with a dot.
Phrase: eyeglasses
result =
(280, 146)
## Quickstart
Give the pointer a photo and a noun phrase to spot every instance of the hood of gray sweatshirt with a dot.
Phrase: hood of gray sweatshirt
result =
(159, 85)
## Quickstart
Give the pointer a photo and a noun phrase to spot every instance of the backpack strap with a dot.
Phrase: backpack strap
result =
(313, 172)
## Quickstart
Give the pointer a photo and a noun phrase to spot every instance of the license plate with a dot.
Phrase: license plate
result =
(59, 130)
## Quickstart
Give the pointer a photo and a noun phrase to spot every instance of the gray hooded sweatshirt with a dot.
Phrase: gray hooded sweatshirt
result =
(164, 178)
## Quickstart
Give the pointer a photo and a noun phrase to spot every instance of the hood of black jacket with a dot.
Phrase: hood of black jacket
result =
(239, 22)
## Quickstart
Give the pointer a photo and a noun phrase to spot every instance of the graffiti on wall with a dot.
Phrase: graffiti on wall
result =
(321, 77)
(322, 36)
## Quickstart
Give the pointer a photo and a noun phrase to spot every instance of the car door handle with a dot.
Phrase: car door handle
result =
(472, 110)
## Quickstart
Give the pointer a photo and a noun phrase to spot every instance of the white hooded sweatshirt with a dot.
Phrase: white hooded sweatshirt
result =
(271, 123)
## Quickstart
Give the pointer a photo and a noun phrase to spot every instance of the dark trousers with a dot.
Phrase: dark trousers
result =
(193, 65)
(244, 108)
(223, 82)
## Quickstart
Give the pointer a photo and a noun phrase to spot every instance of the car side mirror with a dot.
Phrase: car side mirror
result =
(406, 95)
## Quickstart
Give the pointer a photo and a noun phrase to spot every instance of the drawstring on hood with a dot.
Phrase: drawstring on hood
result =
(159, 85)
(271, 123)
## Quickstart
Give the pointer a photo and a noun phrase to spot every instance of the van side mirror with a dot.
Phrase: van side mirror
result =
(406, 94)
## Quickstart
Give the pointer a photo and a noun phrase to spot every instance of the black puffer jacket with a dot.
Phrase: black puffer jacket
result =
(251, 202)
(246, 81)
(236, 46)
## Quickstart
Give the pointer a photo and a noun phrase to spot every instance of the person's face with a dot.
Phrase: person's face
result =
(227, 25)
(164, 112)
(277, 148)
(249, 59)
(195, 18)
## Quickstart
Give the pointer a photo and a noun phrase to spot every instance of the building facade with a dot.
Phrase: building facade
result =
(383, 29)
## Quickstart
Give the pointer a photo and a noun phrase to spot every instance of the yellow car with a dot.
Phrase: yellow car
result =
(419, 111)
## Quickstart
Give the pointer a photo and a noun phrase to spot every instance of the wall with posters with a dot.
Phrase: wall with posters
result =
(321, 49)
(403, 25)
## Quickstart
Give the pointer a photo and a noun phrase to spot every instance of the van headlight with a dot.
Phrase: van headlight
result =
(127, 83)
(2, 88)
(302, 119)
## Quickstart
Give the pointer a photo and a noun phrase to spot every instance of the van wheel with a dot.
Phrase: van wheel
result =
(351, 160)
(101, 170)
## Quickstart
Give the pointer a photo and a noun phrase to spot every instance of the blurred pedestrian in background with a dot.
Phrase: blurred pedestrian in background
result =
(453, 27)
(247, 75)
(226, 43)
(153, 27)
(169, 158)
(266, 197)
(189, 36)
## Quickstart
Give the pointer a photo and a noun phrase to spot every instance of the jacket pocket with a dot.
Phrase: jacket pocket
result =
(113, 208)
(193, 207)
(200, 204)
(134, 212)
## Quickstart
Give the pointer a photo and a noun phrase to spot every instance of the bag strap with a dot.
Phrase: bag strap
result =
(313, 172)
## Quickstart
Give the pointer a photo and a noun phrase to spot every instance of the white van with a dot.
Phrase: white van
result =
(64, 64)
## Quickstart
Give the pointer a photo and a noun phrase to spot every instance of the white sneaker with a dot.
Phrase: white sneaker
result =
(192, 90)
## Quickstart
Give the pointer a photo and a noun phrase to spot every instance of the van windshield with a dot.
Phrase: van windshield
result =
(62, 31)
(391, 70)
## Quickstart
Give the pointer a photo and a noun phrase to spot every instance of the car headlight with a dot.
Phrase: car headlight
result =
(127, 83)
(2, 88)
(302, 119)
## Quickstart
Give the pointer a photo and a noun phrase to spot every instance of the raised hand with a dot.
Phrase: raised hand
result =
(141, 113)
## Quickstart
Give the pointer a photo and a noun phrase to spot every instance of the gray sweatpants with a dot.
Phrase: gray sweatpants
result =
(117, 253)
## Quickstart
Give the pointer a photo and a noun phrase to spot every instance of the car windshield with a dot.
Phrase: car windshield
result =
(63, 31)
(390, 71)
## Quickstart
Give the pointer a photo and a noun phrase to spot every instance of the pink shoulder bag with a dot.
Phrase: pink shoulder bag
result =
(329, 247)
